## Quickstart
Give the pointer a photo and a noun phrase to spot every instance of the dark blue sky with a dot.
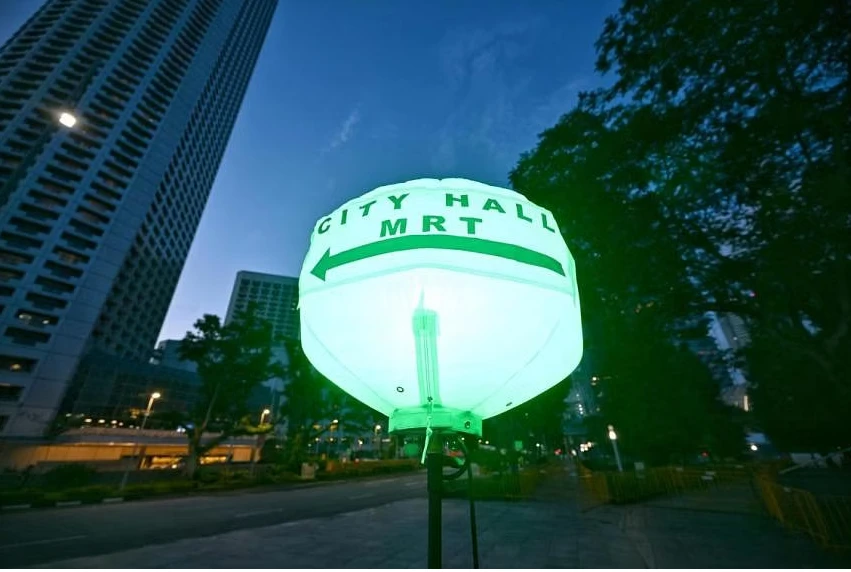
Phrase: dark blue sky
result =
(352, 94)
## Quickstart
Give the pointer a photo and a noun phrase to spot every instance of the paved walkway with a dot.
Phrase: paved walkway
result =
(550, 532)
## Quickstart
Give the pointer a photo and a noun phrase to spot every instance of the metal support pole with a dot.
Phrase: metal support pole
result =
(474, 534)
(434, 466)
(617, 456)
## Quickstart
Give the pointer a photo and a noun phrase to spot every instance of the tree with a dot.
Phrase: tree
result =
(538, 420)
(312, 401)
(638, 300)
(716, 168)
(232, 359)
(747, 111)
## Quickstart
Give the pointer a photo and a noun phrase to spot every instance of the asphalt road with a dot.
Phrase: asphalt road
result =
(39, 536)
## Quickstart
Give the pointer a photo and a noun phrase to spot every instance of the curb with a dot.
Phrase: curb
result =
(294, 485)
(16, 507)
(60, 504)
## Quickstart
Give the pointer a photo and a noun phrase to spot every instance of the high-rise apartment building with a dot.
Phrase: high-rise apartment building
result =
(114, 115)
(276, 299)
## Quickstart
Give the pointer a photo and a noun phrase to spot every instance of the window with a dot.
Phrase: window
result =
(10, 258)
(10, 392)
(48, 303)
(35, 319)
(54, 286)
(24, 337)
(70, 257)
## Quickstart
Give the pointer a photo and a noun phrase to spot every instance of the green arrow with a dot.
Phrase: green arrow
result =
(440, 241)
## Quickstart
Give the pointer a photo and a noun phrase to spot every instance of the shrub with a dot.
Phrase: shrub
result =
(69, 476)
(22, 496)
(90, 494)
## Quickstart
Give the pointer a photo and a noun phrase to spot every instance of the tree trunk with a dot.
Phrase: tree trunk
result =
(192, 458)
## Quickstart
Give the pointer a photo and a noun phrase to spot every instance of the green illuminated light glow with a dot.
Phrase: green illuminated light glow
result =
(447, 300)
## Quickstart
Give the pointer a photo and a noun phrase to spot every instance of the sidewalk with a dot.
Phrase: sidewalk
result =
(550, 532)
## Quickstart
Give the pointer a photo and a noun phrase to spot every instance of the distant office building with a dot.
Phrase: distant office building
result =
(276, 299)
(167, 354)
(116, 390)
(734, 331)
(113, 120)
(733, 336)
(707, 350)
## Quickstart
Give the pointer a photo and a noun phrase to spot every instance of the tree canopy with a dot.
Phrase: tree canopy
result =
(232, 359)
(713, 176)
(312, 402)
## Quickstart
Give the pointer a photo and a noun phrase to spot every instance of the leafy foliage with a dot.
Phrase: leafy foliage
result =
(713, 176)
(312, 401)
(232, 359)
(751, 102)
(537, 420)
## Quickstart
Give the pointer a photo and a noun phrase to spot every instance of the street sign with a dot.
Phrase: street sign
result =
(440, 302)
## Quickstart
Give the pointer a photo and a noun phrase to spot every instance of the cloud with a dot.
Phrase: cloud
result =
(346, 131)
(559, 102)
(466, 53)
(484, 80)
(499, 100)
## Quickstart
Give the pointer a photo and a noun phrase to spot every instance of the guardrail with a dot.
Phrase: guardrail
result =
(826, 519)
(620, 488)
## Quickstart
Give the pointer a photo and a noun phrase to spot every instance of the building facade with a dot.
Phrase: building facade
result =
(733, 336)
(114, 116)
(110, 391)
(167, 354)
(276, 299)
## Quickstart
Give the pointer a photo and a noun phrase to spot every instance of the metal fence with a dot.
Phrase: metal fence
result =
(827, 519)
(619, 488)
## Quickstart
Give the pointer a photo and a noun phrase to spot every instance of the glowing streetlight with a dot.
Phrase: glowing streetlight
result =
(754, 447)
(613, 437)
(67, 119)
(154, 396)
(264, 414)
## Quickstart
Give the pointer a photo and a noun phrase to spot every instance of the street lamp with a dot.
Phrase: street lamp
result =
(378, 438)
(154, 396)
(613, 437)
(339, 445)
(263, 415)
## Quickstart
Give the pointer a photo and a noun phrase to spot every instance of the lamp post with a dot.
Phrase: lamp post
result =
(138, 449)
(265, 413)
(154, 396)
(338, 445)
(378, 439)
(613, 437)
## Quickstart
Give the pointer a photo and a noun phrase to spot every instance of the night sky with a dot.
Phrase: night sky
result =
(352, 94)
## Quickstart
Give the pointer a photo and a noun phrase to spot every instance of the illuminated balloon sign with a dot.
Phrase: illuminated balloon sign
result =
(440, 302)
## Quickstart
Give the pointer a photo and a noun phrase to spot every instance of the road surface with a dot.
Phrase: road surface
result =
(38, 536)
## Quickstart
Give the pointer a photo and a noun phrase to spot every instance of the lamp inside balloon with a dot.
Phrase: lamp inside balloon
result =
(440, 303)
